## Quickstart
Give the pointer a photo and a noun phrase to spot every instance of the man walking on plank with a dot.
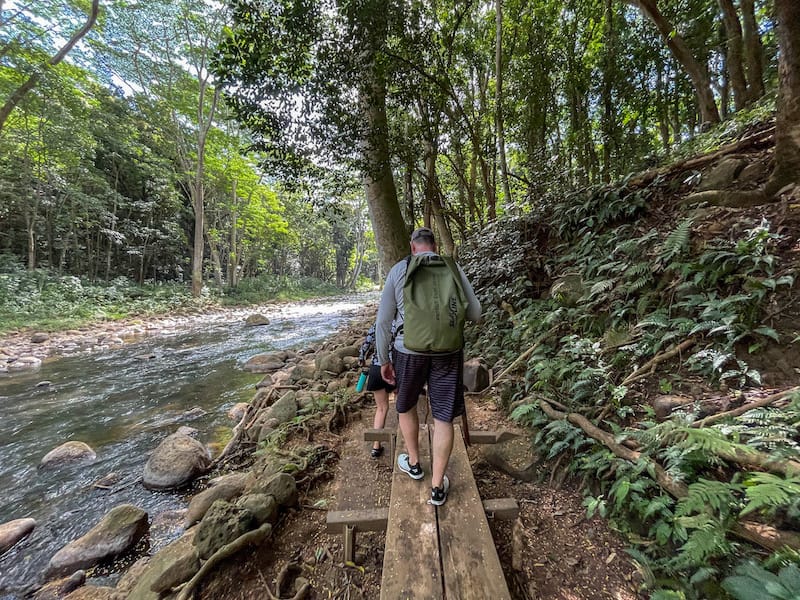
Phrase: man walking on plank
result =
(429, 298)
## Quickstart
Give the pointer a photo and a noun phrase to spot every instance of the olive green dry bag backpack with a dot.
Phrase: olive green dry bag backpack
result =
(434, 303)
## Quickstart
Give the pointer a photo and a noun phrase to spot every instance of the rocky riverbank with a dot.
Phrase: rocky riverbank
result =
(27, 350)
(247, 495)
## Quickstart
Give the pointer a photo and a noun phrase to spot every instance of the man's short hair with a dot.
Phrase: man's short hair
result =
(423, 235)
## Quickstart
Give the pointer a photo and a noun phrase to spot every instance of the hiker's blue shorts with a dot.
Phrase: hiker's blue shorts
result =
(444, 375)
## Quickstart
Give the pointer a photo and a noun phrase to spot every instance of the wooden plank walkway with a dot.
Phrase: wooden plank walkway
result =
(470, 563)
(444, 552)
(411, 561)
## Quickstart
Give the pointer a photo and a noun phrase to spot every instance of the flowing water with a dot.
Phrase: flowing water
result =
(123, 403)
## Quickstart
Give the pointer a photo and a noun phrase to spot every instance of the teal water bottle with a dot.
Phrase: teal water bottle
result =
(362, 380)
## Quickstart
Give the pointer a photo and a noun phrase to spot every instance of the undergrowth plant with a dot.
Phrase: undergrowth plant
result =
(622, 293)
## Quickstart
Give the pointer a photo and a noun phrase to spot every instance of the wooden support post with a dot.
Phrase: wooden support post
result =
(349, 543)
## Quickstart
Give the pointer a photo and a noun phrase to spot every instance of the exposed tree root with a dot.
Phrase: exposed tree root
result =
(757, 139)
(236, 437)
(730, 198)
(301, 593)
(766, 401)
(757, 533)
(251, 537)
(650, 366)
(527, 353)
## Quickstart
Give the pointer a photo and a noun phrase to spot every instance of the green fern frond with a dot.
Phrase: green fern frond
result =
(600, 287)
(767, 491)
(677, 242)
(706, 494)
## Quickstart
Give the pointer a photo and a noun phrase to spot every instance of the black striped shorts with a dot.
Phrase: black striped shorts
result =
(444, 374)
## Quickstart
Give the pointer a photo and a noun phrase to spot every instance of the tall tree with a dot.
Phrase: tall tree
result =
(498, 93)
(787, 126)
(696, 71)
(17, 95)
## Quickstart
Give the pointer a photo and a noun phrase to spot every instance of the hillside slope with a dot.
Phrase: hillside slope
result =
(636, 319)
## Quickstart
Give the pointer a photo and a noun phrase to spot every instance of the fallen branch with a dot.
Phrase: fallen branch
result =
(766, 401)
(753, 459)
(762, 137)
(255, 536)
(527, 353)
(675, 488)
(757, 533)
(236, 436)
(650, 366)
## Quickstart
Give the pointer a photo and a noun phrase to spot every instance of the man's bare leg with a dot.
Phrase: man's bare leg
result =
(409, 426)
(442, 447)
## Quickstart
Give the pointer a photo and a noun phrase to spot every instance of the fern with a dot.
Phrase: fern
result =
(765, 491)
(706, 541)
(708, 495)
(676, 243)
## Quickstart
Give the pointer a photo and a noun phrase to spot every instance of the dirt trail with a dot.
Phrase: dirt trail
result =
(552, 552)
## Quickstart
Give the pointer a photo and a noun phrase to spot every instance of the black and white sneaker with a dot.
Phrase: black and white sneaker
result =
(439, 494)
(414, 471)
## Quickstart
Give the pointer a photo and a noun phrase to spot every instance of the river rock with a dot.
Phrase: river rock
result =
(186, 430)
(256, 320)
(303, 370)
(39, 338)
(68, 452)
(282, 411)
(238, 410)
(227, 488)
(175, 462)
(329, 362)
(264, 507)
(223, 523)
(93, 592)
(58, 589)
(476, 375)
(514, 457)
(280, 486)
(167, 568)
(721, 175)
(568, 289)
(25, 362)
(132, 577)
(13, 531)
(265, 363)
(117, 532)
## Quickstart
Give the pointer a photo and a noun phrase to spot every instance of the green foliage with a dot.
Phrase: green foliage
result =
(753, 582)
(265, 287)
(43, 300)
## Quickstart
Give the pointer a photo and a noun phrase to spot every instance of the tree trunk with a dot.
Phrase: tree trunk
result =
(408, 191)
(683, 54)
(734, 55)
(488, 184)
(18, 94)
(787, 125)
(753, 51)
(498, 110)
(608, 103)
(391, 234)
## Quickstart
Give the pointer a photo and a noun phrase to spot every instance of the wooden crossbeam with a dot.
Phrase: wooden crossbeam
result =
(375, 519)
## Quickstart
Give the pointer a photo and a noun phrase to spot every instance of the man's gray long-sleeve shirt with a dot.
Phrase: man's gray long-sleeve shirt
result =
(391, 308)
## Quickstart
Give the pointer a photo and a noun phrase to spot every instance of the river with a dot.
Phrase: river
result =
(122, 403)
